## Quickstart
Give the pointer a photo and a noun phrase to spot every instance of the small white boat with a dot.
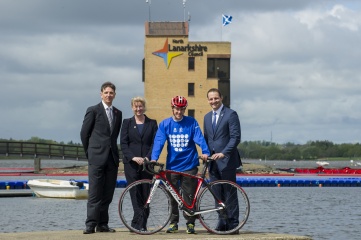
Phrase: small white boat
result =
(322, 163)
(52, 188)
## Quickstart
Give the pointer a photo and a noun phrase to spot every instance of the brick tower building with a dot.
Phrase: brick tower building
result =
(173, 65)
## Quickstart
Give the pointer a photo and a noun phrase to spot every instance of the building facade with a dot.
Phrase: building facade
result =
(173, 65)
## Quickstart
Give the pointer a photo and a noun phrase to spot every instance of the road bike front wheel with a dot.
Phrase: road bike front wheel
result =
(139, 216)
(235, 213)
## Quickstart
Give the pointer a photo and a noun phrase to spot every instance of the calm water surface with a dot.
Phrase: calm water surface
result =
(321, 213)
(45, 163)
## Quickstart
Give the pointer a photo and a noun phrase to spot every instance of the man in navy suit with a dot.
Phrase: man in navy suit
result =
(222, 131)
(99, 134)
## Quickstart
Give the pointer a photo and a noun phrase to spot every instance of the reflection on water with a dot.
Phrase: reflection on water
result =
(322, 213)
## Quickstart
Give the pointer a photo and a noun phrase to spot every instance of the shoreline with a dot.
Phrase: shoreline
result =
(248, 168)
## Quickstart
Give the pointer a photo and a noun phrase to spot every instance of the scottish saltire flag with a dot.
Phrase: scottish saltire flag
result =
(226, 19)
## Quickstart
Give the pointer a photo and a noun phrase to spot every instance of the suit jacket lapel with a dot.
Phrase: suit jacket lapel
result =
(102, 109)
(133, 127)
(209, 123)
(104, 113)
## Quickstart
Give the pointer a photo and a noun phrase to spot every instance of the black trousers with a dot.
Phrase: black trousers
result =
(139, 195)
(228, 195)
(102, 182)
(188, 186)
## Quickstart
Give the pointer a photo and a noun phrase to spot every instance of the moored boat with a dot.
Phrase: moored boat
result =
(52, 188)
(322, 163)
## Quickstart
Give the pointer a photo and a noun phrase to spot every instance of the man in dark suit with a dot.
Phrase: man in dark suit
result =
(99, 134)
(222, 131)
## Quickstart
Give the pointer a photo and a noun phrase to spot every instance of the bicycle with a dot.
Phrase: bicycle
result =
(151, 201)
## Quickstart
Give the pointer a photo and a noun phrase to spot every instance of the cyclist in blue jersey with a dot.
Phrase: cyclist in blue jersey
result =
(182, 134)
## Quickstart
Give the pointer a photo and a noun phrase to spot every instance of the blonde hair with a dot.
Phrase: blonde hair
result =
(139, 99)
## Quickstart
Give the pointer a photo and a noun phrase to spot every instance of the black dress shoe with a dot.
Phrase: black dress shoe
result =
(105, 229)
(89, 230)
(221, 229)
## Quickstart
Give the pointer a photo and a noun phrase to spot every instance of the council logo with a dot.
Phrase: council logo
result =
(166, 54)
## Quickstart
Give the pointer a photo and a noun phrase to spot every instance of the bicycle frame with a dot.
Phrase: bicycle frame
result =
(161, 177)
(146, 206)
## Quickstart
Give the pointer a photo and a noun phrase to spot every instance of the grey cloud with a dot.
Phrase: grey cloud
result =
(295, 64)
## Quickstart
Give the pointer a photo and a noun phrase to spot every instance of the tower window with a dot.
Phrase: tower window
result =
(191, 63)
(218, 68)
(191, 113)
(190, 89)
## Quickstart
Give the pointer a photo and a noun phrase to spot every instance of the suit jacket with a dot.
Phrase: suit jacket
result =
(134, 144)
(225, 138)
(98, 137)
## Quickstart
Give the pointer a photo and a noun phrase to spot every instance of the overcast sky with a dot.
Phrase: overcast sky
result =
(295, 66)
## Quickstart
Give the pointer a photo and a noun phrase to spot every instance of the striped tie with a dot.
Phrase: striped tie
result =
(214, 121)
(110, 116)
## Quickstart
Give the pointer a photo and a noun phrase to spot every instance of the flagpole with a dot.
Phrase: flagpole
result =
(221, 32)
(149, 2)
(184, 10)
(222, 29)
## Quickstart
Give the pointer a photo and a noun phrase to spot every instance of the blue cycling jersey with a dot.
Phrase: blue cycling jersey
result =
(182, 137)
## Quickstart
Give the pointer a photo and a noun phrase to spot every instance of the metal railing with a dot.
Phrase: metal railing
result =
(43, 150)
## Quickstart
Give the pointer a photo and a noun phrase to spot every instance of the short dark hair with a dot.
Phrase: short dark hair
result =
(215, 90)
(107, 84)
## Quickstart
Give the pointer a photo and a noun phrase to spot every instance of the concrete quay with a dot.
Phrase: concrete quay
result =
(123, 233)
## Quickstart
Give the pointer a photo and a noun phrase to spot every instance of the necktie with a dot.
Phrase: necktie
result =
(214, 120)
(110, 116)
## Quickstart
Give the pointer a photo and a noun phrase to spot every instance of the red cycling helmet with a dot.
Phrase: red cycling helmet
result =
(179, 101)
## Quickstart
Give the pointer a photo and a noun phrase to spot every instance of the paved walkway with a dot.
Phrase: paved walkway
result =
(125, 234)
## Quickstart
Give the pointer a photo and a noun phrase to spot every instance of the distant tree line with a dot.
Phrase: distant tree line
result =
(289, 151)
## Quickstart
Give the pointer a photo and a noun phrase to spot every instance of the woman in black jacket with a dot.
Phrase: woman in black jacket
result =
(137, 135)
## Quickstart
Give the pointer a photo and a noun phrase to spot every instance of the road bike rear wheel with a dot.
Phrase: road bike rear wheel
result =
(140, 217)
(233, 216)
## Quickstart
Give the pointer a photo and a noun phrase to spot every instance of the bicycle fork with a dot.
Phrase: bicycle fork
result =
(152, 192)
(169, 188)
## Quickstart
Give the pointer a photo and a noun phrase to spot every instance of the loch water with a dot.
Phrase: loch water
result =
(319, 212)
